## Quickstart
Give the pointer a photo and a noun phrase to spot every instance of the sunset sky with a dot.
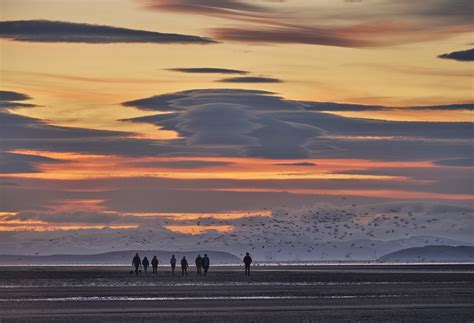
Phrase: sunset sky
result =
(189, 120)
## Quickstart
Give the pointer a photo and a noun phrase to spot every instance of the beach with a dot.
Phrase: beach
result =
(325, 293)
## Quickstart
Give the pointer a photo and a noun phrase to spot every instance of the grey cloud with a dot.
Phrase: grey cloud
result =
(13, 96)
(337, 125)
(156, 103)
(158, 118)
(151, 194)
(441, 17)
(180, 101)
(20, 127)
(457, 162)
(170, 102)
(302, 164)
(145, 194)
(462, 56)
(20, 132)
(208, 7)
(265, 125)
(444, 180)
(331, 106)
(429, 12)
(7, 183)
(407, 149)
(342, 26)
(217, 124)
(250, 79)
(68, 32)
(11, 163)
(291, 35)
(17, 198)
(346, 107)
(459, 10)
(191, 200)
(82, 217)
(232, 123)
(8, 100)
(450, 107)
(207, 70)
(280, 140)
(15, 105)
(276, 25)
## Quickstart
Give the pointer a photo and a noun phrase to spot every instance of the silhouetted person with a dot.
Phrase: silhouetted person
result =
(198, 262)
(136, 262)
(247, 262)
(173, 264)
(154, 264)
(184, 266)
(205, 264)
(145, 263)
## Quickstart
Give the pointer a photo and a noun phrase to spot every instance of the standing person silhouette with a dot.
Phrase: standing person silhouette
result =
(198, 262)
(205, 264)
(145, 263)
(247, 262)
(154, 264)
(136, 262)
(184, 267)
(173, 264)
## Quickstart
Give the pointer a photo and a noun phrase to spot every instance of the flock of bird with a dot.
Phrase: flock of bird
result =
(317, 231)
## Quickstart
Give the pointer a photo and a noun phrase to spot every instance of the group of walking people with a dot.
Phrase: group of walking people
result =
(145, 263)
(202, 265)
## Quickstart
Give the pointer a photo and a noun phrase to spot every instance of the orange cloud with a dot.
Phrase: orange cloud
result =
(391, 194)
(32, 225)
(194, 229)
(231, 215)
(83, 166)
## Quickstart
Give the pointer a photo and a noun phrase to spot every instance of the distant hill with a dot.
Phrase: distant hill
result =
(324, 251)
(431, 254)
(117, 257)
(349, 250)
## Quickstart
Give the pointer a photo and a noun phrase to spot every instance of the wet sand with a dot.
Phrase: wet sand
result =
(417, 293)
